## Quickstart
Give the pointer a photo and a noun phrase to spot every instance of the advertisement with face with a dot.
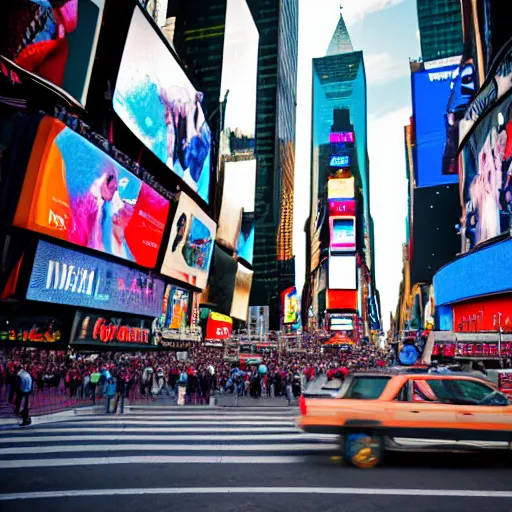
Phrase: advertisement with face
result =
(340, 188)
(190, 248)
(63, 276)
(342, 272)
(175, 308)
(243, 283)
(343, 234)
(107, 208)
(291, 309)
(487, 174)
(157, 102)
(438, 100)
(54, 40)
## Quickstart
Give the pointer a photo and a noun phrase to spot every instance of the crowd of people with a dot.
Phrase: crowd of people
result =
(191, 380)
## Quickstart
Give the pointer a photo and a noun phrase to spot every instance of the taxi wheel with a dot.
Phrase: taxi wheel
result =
(362, 450)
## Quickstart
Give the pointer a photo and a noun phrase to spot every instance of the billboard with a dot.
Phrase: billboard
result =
(342, 272)
(218, 327)
(340, 188)
(118, 331)
(342, 299)
(175, 312)
(243, 283)
(340, 161)
(258, 324)
(291, 309)
(343, 234)
(221, 287)
(53, 40)
(487, 176)
(63, 276)
(157, 102)
(239, 80)
(431, 90)
(342, 208)
(189, 253)
(339, 322)
(341, 137)
(107, 208)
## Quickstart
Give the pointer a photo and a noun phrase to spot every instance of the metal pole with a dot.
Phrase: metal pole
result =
(499, 336)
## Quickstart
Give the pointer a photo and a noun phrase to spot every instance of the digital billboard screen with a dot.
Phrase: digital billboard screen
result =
(107, 208)
(218, 327)
(175, 313)
(64, 276)
(341, 137)
(189, 253)
(54, 40)
(243, 283)
(290, 304)
(245, 248)
(339, 161)
(239, 80)
(340, 208)
(342, 272)
(343, 234)
(340, 188)
(221, 287)
(431, 90)
(487, 176)
(339, 322)
(157, 102)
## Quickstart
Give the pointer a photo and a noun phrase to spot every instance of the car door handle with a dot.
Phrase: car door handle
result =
(415, 412)
(467, 414)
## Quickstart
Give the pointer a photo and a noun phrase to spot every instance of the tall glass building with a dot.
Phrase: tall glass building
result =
(440, 25)
(274, 266)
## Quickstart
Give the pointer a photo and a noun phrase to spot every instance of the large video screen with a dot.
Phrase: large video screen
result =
(243, 283)
(222, 281)
(487, 174)
(342, 272)
(75, 192)
(63, 276)
(156, 100)
(175, 308)
(340, 188)
(55, 40)
(239, 80)
(290, 305)
(343, 234)
(435, 125)
(190, 248)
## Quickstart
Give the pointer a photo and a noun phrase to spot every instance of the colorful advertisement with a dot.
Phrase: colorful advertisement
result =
(341, 137)
(191, 242)
(240, 303)
(157, 102)
(339, 322)
(175, 308)
(54, 40)
(343, 234)
(340, 208)
(340, 188)
(342, 299)
(291, 309)
(218, 327)
(245, 248)
(435, 115)
(95, 329)
(342, 272)
(33, 329)
(487, 176)
(107, 208)
(63, 276)
(340, 161)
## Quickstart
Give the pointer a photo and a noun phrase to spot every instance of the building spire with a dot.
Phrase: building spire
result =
(340, 42)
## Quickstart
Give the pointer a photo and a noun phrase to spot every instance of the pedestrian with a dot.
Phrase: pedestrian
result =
(24, 386)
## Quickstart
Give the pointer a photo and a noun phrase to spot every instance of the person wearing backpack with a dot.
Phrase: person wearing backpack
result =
(24, 385)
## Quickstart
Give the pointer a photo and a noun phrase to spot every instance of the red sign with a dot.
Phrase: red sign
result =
(341, 208)
(341, 137)
(342, 299)
(218, 327)
(484, 315)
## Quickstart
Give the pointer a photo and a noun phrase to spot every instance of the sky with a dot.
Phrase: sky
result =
(387, 32)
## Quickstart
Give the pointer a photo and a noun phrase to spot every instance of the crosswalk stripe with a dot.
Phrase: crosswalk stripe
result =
(195, 417)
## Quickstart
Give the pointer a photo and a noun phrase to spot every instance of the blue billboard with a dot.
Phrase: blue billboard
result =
(431, 91)
(63, 276)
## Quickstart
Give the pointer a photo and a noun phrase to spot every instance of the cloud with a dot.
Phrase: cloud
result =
(356, 10)
(382, 68)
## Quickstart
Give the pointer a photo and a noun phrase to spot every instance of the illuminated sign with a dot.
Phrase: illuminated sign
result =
(341, 137)
(340, 161)
(342, 272)
(341, 323)
(342, 208)
(343, 233)
(340, 188)
(219, 327)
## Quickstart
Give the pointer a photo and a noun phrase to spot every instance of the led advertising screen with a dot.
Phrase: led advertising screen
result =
(258, 324)
(343, 234)
(222, 283)
(243, 283)
(291, 309)
(63, 276)
(342, 272)
(340, 161)
(342, 299)
(435, 126)
(487, 176)
(54, 40)
(157, 102)
(175, 309)
(238, 197)
(341, 137)
(190, 248)
(107, 208)
(245, 247)
(339, 322)
(239, 80)
(218, 327)
(340, 208)
(340, 188)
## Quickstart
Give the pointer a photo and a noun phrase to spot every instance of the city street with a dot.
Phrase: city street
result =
(251, 458)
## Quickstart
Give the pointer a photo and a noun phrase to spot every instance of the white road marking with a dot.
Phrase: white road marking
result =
(454, 493)
(163, 437)
(175, 417)
(151, 459)
(163, 448)
(171, 423)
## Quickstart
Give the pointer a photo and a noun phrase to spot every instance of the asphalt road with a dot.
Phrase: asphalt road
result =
(228, 460)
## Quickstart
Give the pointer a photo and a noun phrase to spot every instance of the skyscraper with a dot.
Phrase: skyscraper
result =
(274, 266)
